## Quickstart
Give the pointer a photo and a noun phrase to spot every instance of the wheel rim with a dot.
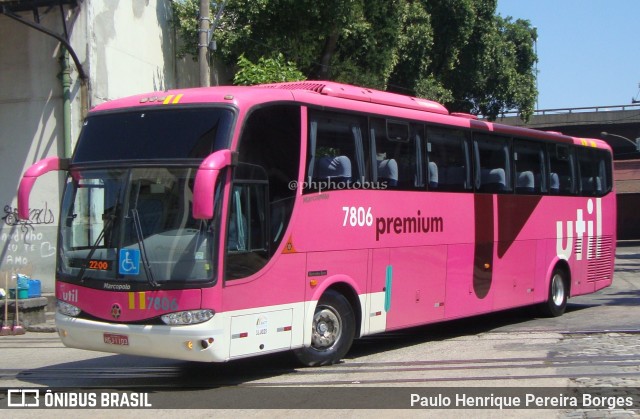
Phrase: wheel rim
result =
(327, 329)
(557, 290)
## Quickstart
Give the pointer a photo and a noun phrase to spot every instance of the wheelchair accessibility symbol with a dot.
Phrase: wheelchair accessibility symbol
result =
(129, 262)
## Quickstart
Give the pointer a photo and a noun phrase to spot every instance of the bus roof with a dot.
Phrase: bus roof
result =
(272, 92)
(335, 95)
(363, 94)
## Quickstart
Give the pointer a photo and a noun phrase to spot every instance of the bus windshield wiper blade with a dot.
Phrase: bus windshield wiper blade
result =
(143, 250)
(94, 247)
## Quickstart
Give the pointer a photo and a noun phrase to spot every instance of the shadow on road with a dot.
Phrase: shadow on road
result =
(621, 298)
(450, 329)
(130, 372)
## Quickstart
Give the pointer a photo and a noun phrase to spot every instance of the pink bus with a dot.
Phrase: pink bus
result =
(219, 223)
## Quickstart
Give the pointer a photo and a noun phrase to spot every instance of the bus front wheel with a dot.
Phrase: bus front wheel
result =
(558, 293)
(332, 331)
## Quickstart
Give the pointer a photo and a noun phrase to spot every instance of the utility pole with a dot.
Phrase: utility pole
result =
(203, 44)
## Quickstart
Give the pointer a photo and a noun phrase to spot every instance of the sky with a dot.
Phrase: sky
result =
(588, 50)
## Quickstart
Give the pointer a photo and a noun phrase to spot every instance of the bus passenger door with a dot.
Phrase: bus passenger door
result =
(261, 302)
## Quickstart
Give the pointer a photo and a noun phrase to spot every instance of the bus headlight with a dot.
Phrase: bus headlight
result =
(187, 317)
(67, 309)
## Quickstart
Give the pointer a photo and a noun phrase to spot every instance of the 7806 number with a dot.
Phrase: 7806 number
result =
(357, 217)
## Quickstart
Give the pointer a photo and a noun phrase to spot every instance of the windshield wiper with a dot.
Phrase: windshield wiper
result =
(143, 250)
(110, 218)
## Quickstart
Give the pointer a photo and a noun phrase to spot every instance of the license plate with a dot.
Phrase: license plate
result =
(114, 339)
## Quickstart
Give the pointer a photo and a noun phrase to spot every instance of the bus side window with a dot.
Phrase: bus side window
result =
(447, 167)
(248, 230)
(493, 173)
(589, 183)
(529, 167)
(604, 165)
(335, 151)
(384, 167)
(595, 179)
(561, 170)
(395, 159)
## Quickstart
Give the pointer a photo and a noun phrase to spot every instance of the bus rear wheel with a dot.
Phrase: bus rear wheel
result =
(332, 331)
(556, 302)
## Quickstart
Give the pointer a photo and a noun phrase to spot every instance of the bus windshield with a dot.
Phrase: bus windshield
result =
(132, 222)
(154, 134)
(134, 225)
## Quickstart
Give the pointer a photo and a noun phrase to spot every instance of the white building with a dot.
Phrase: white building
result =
(123, 47)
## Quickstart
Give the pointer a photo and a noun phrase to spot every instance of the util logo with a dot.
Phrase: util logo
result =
(70, 296)
(575, 230)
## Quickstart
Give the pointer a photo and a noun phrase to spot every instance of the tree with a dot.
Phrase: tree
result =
(345, 40)
(267, 70)
(471, 60)
(458, 52)
(184, 19)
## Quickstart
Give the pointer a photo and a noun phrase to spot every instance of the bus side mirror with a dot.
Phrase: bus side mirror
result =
(29, 178)
(205, 182)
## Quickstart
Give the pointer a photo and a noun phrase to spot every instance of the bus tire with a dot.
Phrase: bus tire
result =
(558, 294)
(332, 331)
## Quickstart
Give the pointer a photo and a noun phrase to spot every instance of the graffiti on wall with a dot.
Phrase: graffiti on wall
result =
(25, 241)
(36, 216)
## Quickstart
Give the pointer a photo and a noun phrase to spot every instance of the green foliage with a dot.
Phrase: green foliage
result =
(345, 40)
(267, 70)
(185, 22)
(458, 52)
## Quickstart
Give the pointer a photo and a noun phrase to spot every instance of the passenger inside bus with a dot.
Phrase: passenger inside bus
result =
(387, 169)
(433, 175)
(333, 166)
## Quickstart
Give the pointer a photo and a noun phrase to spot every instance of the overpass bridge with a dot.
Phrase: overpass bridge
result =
(621, 120)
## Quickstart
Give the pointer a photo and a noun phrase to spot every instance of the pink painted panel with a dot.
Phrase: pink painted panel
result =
(514, 274)
(352, 219)
(418, 285)
(349, 266)
(282, 281)
(461, 300)
(380, 261)
(127, 306)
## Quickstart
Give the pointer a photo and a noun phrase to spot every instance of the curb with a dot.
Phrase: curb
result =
(48, 327)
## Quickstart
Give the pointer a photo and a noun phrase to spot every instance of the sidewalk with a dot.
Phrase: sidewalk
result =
(34, 314)
(49, 325)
